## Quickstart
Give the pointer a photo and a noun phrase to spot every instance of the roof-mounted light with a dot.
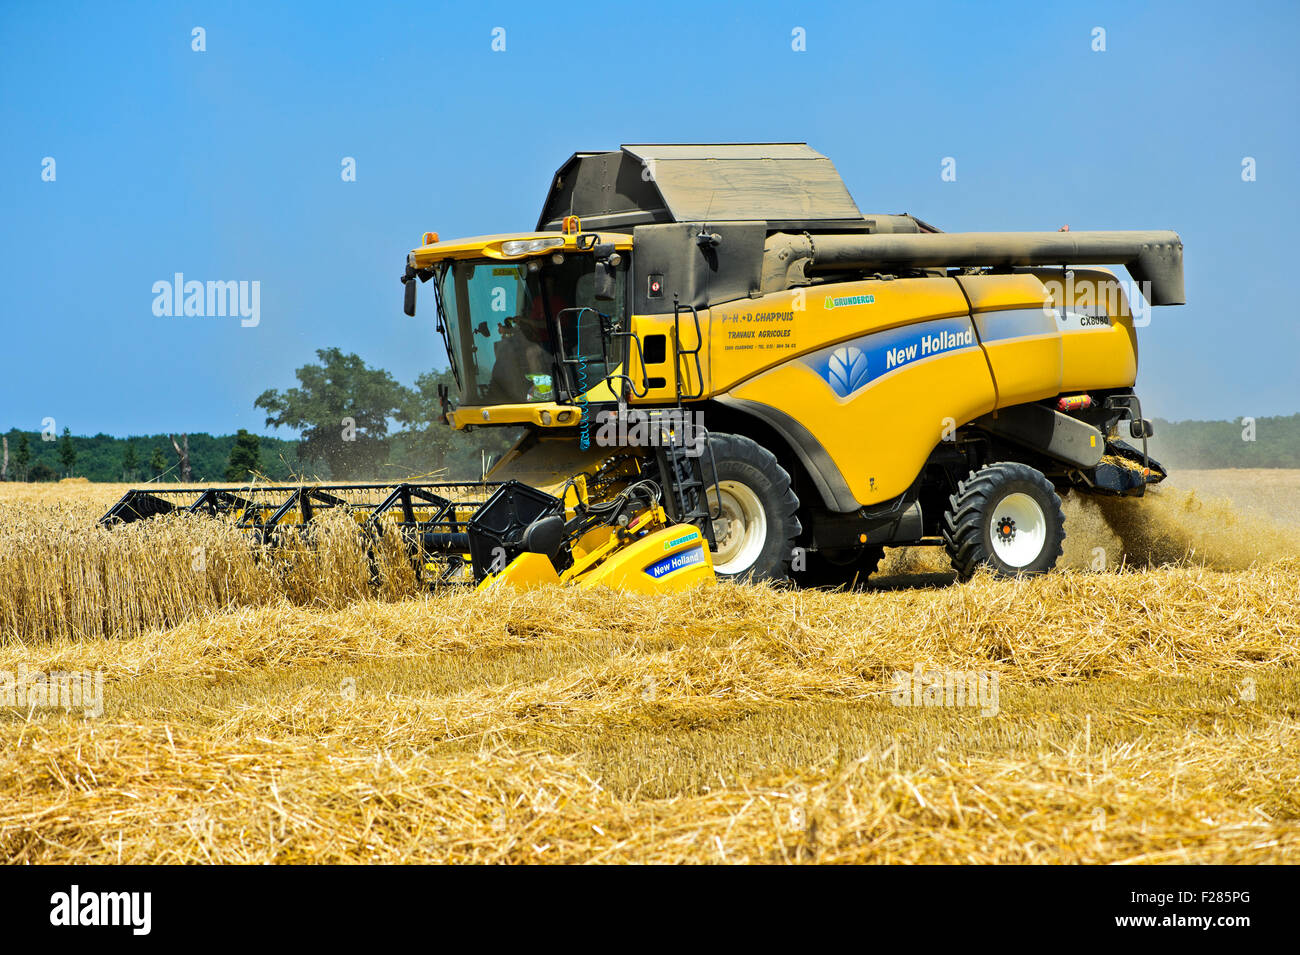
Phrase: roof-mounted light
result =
(430, 238)
(514, 247)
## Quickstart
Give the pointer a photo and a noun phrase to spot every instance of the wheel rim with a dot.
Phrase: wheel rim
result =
(745, 527)
(1018, 530)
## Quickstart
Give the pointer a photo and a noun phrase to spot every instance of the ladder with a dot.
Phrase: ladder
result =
(689, 354)
(680, 453)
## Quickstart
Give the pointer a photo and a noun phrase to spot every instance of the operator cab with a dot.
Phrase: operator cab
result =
(531, 319)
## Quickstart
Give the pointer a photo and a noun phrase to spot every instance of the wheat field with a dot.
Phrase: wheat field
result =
(1147, 704)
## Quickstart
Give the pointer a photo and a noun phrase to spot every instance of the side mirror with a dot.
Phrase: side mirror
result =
(408, 296)
(606, 284)
(444, 401)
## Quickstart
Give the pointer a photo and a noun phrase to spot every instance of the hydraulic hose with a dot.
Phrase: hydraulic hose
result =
(584, 421)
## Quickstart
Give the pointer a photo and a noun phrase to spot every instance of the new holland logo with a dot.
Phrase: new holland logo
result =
(846, 371)
(828, 302)
(675, 562)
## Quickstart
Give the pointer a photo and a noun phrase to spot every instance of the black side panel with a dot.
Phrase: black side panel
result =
(135, 506)
(502, 521)
(697, 275)
(609, 191)
(1047, 431)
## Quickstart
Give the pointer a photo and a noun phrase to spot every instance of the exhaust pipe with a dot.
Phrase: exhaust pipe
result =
(1154, 259)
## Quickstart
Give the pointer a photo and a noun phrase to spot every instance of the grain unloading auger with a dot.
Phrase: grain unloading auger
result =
(604, 527)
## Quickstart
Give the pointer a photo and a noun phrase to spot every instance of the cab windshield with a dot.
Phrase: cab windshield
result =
(503, 320)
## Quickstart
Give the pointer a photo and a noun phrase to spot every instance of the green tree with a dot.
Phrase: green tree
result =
(157, 462)
(22, 457)
(245, 457)
(342, 408)
(43, 472)
(427, 444)
(130, 463)
(67, 452)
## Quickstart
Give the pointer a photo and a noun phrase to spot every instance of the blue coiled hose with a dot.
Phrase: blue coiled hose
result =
(584, 423)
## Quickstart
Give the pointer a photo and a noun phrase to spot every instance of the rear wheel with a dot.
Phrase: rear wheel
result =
(1005, 516)
(757, 528)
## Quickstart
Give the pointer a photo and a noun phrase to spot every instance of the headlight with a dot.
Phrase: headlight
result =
(525, 246)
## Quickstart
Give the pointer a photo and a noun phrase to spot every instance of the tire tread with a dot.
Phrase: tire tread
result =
(963, 523)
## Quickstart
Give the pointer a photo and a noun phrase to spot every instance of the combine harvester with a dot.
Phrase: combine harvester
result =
(722, 366)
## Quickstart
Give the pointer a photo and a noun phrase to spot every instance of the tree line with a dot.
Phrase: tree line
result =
(35, 456)
(1270, 442)
(354, 422)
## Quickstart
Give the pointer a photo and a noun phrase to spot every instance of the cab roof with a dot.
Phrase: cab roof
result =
(489, 246)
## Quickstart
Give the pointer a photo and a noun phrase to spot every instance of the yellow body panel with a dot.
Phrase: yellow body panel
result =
(880, 435)
(525, 572)
(661, 377)
(664, 561)
(1018, 329)
(1028, 369)
(1098, 340)
(992, 293)
(543, 414)
(748, 337)
(843, 370)
(647, 558)
(1094, 360)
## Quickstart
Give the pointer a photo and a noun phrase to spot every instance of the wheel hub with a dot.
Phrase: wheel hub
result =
(1018, 530)
(741, 531)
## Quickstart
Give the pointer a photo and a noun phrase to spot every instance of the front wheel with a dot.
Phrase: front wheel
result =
(758, 525)
(1005, 516)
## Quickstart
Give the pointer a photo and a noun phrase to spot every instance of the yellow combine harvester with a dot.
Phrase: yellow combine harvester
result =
(721, 365)
(804, 383)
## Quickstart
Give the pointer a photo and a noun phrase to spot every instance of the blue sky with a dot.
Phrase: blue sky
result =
(225, 164)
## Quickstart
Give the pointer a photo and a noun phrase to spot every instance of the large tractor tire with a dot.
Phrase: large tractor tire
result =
(838, 568)
(756, 532)
(1005, 516)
